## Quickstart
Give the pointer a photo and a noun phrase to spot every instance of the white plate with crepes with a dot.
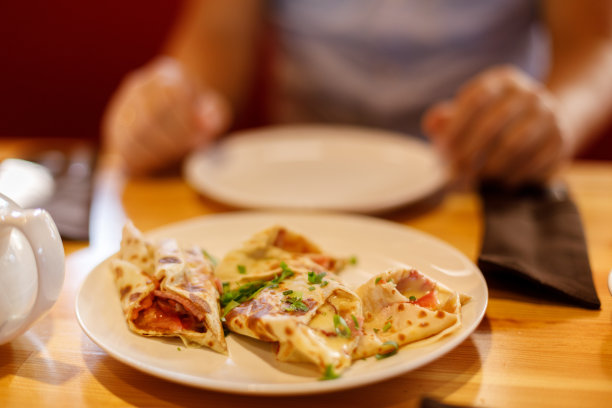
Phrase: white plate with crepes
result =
(251, 366)
(317, 167)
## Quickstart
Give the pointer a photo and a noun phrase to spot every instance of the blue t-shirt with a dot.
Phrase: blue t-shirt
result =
(383, 62)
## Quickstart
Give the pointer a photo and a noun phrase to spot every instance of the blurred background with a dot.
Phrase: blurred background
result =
(61, 61)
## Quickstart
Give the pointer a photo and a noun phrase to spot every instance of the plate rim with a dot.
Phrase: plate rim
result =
(237, 199)
(285, 389)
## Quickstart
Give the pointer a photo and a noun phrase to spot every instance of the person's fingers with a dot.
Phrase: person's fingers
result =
(471, 99)
(437, 117)
(515, 149)
(212, 113)
(541, 162)
(191, 116)
(487, 127)
(159, 115)
(145, 138)
(435, 122)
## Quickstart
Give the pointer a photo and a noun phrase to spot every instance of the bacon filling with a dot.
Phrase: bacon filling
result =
(166, 312)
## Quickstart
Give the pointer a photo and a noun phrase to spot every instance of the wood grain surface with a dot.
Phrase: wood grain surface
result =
(528, 351)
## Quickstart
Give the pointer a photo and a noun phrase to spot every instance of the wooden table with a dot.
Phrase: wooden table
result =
(526, 352)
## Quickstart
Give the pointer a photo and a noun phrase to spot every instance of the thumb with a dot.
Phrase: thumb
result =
(436, 122)
(437, 118)
(212, 113)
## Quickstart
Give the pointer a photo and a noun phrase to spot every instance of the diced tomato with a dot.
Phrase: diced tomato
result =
(429, 301)
(351, 324)
(325, 261)
(218, 284)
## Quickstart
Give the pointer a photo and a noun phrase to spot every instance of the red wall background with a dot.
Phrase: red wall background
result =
(60, 60)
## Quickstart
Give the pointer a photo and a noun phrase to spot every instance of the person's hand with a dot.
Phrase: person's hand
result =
(502, 126)
(159, 114)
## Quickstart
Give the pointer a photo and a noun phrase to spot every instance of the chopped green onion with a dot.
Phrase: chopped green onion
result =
(329, 373)
(389, 353)
(295, 302)
(209, 257)
(311, 288)
(287, 292)
(353, 260)
(254, 294)
(286, 269)
(412, 298)
(341, 327)
(251, 289)
(241, 269)
(377, 280)
(297, 305)
(232, 304)
(178, 348)
(230, 298)
(387, 326)
(314, 277)
(355, 321)
(375, 330)
(324, 284)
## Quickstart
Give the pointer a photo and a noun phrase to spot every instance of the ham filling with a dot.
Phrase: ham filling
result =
(167, 313)
(421, 288)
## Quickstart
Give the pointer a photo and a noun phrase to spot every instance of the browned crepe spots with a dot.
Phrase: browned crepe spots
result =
(125, 290)
(168, 259)
(134, 296)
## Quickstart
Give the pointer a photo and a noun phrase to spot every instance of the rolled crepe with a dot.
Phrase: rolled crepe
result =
(168, 291)
(402, 306)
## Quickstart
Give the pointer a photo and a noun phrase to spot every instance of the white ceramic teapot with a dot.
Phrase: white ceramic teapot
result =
(31, 267)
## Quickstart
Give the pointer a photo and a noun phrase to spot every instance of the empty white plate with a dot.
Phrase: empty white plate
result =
(317, 167)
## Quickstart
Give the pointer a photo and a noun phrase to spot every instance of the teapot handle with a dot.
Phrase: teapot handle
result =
(48, 253)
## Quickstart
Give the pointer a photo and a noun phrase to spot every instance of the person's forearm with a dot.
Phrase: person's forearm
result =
(217, 42)
(583, 86)
(581, 71)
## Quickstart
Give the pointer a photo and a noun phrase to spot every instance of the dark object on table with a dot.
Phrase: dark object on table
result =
(431, 403)
(69, 206)
(535, 234)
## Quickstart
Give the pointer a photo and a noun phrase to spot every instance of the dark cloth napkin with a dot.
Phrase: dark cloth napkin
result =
(535, 234)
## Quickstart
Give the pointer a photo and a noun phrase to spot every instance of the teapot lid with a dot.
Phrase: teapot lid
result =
(27, 183)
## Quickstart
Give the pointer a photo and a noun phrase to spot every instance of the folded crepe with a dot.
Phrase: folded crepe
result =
(280, 287)
(168, 291)
(266, 249)
(402, 306)
(312, 315)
